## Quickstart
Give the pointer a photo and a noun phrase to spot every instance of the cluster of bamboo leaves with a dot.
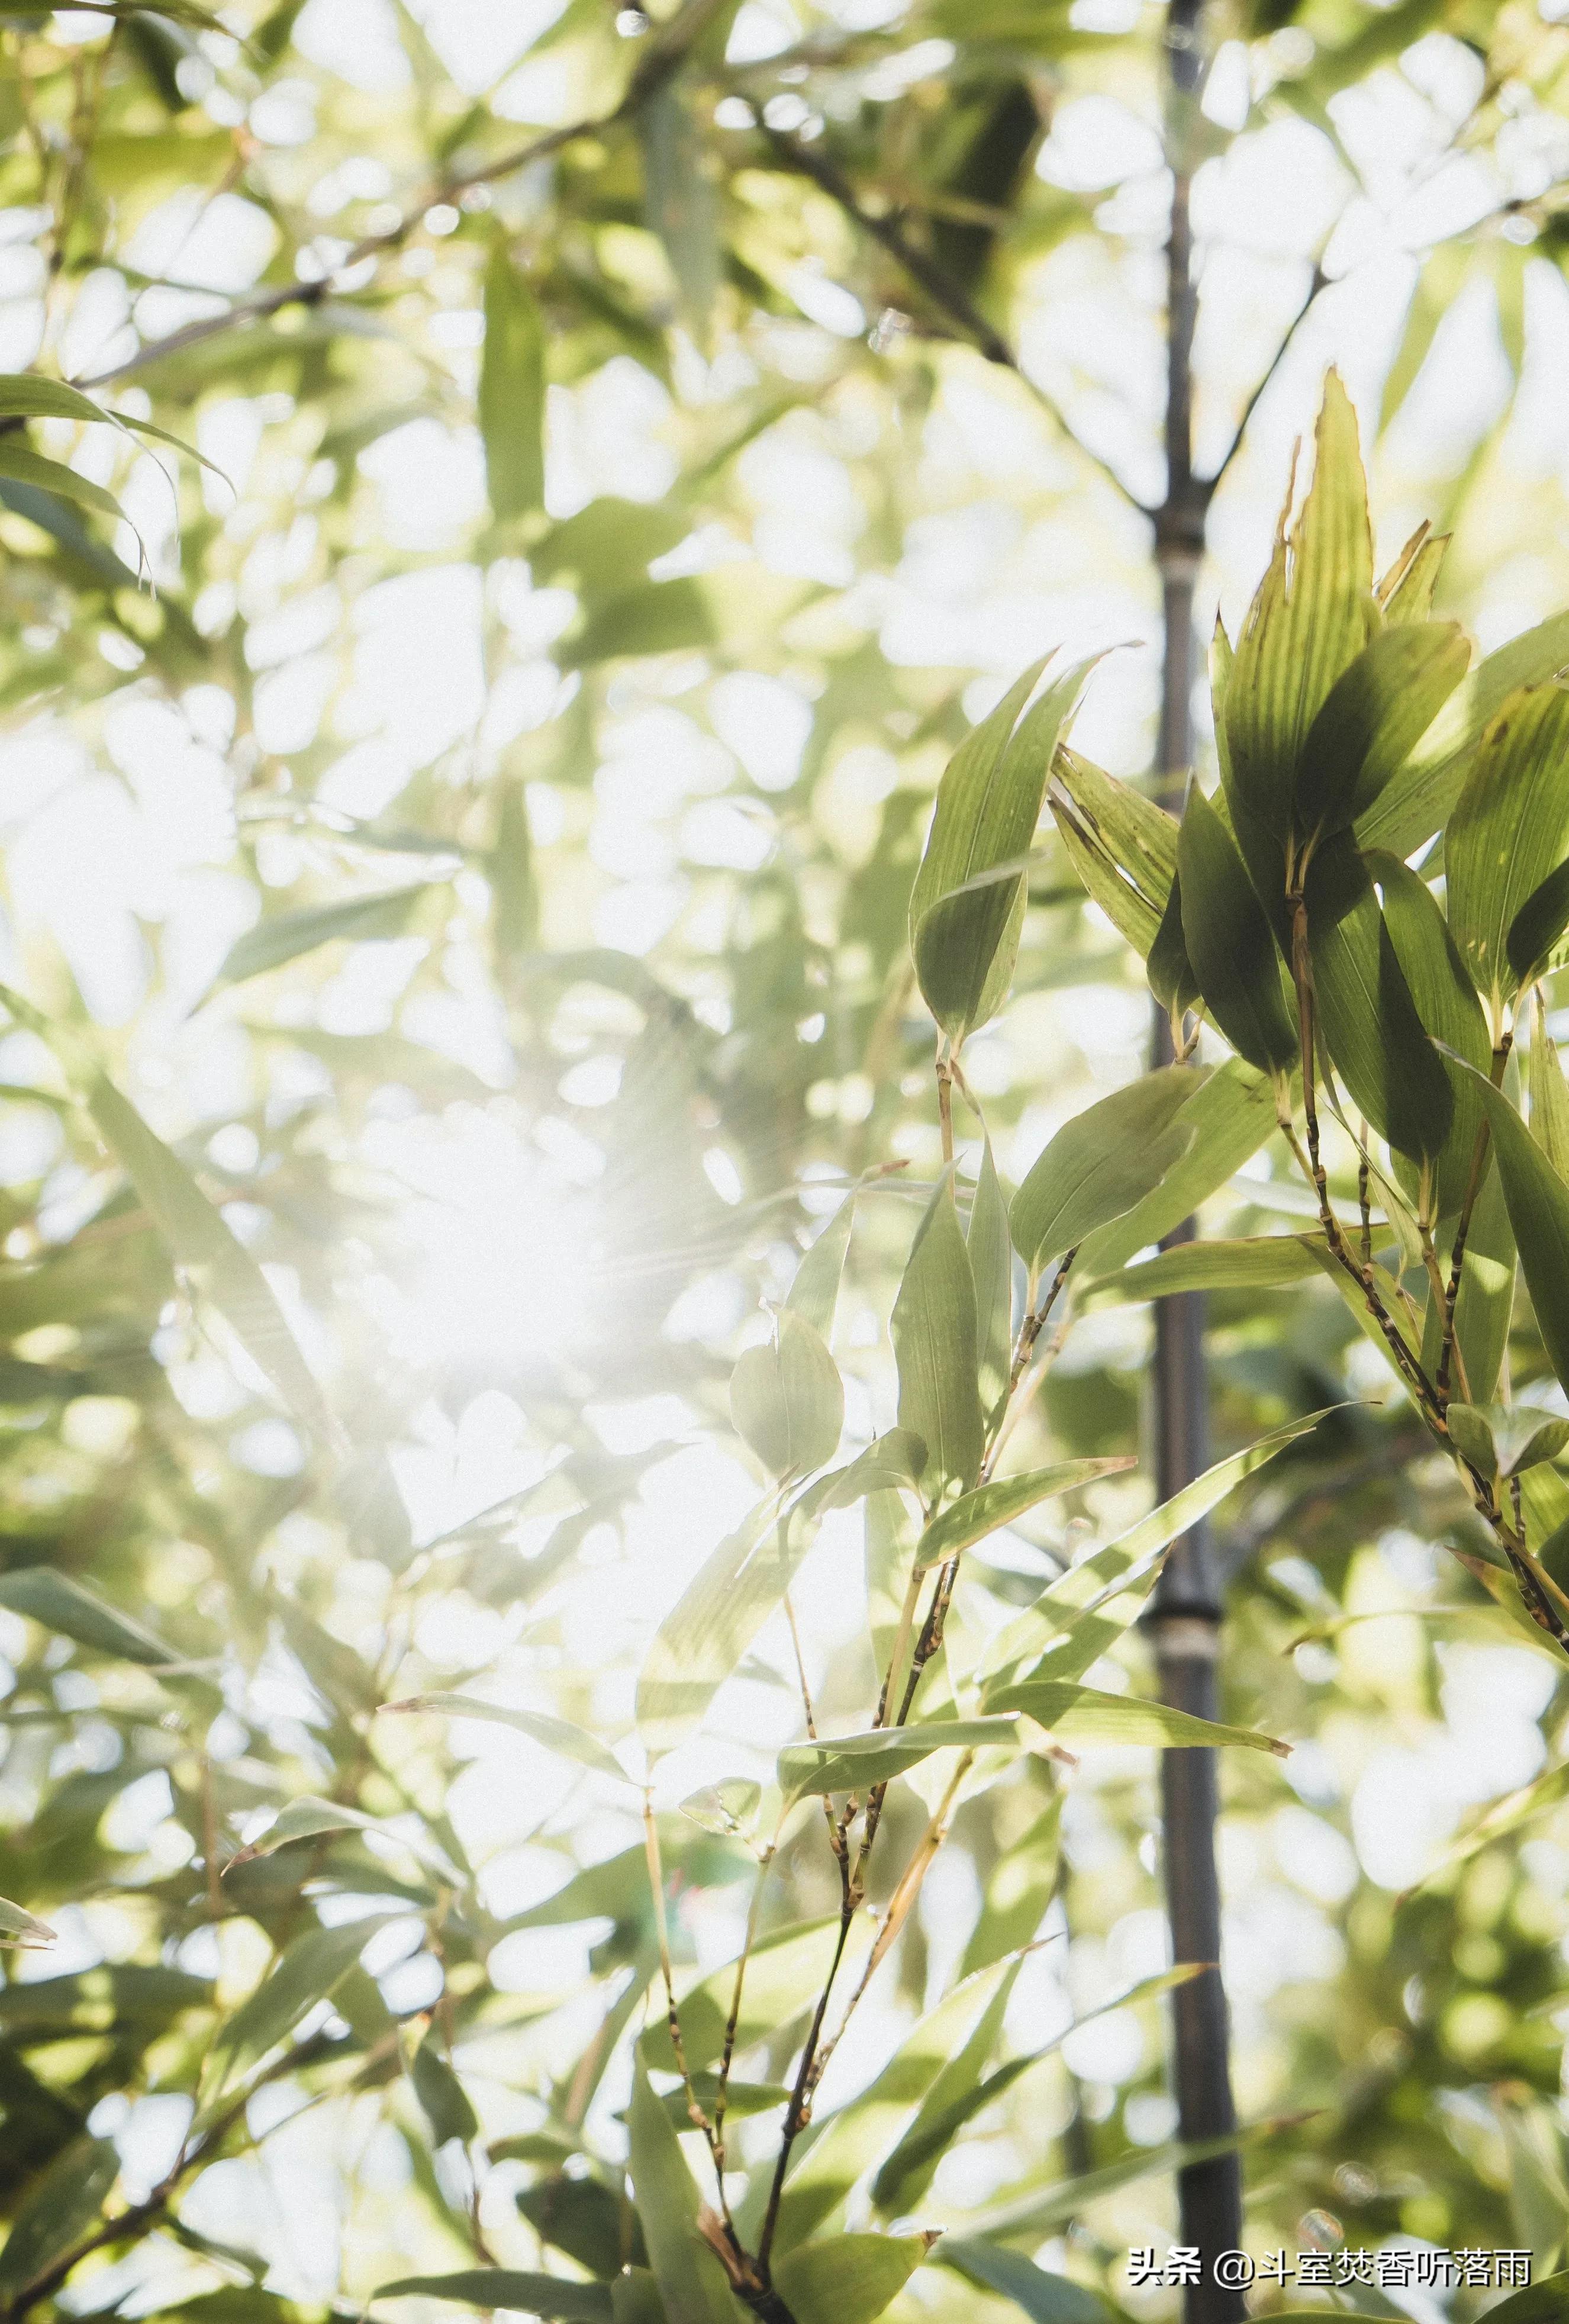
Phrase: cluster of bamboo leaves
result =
(150, 1585)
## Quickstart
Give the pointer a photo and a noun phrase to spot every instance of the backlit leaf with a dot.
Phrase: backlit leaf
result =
(287, 936)
(1122, 847)
(974, 1515)
(690, 2281)
(556, 1734)
(61, 2203)
(1538, 1207)
(854, 1763)
(1044, 2298)
(1100, 1164)
(787, 1398)
(991, 1248)
(1374, 715)
(552, 2296)
(934, 1341)
(59, 1603)
(1083, 1714)
(847, 2279)
(1509, 822)
(1537, 928)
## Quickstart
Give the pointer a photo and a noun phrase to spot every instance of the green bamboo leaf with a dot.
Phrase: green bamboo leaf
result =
(1406, 591)
(691, 2283)
(1172, 977)
(1083, 1714)
(990, 1248)
(446, 2104)
(1369, 1018)
(552, 2296)
(681, 203)
(1505, 1440)
(1312, 614)
(815, 1293)
(1227, 1117)
(1229, 943)
(1099, 1164)
(196, 1235)
(30, 467)
(309, 1969)
(1086, 1610)
(701, 1641)
(22, 396)
(963, 2089)
(741, 2099)
(1547, 2302)
(556, 1734)
(1419, 799)
(894, 1461)
(1538, 1207)
(308, 1819)
(22, 1928)
(1022, 1885)
(1445, 1001)
(727, 1808)
(1377, 711)
(634, 2298)
(784, 1974)
(286, 936)
(57, 1603)
(1122, 847)
(1248, 1263)
(848, 2279)
(1045, 2299)
(1549, 1097)
(787, 1399)
(511, 389)
(974, 1515)
(841, 2147)
(1485, 1309)
(1537, 928)
(62, 2202)
(1438, 283)
(1036, 2215)
(855, 1763)
(657, 618)
(988, 805)
(1510, 821)
(934, 1344)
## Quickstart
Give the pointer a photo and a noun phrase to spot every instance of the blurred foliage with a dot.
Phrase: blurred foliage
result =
(459, 858)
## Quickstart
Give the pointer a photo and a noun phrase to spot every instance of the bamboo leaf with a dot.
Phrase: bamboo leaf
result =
(511, 389)
(1099, 1165)
(1406, 591)
(974, 1515)
(1419, 799)
(988, 805)
(787, 1398)
(1312, 614)
(307, 1819)
(1549, 1097)
(1083, 1714)
(1447, 1003)
(657, 618)
(681, 203)
(445, 2102)
(287, 936)
(1542, 2304)
(57, 1603)
(1066, 2198)
(934, 1344)
(1538, 1207)
(1045, 2299)
(309, 1969)
(1505, 1440)
(552, 2296)
(1172, 977)
(1248, 1263)
(22, 1928)
(64, 2201)
(556, 1734)
(1537, 928)
(1229, 943)
(815, 1293)
(784, 1973)
(1087, 1608)
(855, 1763)
(1228, 1115)
(848, 2279)
(991, 1248)
(1369, 1018)
(196, 1235)
(1122, 847)
(1511, 819)
(701, 1641)
(1371, 719)
(28, 467)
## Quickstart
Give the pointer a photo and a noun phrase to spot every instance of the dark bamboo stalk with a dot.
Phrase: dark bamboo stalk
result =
(1185, 1617)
